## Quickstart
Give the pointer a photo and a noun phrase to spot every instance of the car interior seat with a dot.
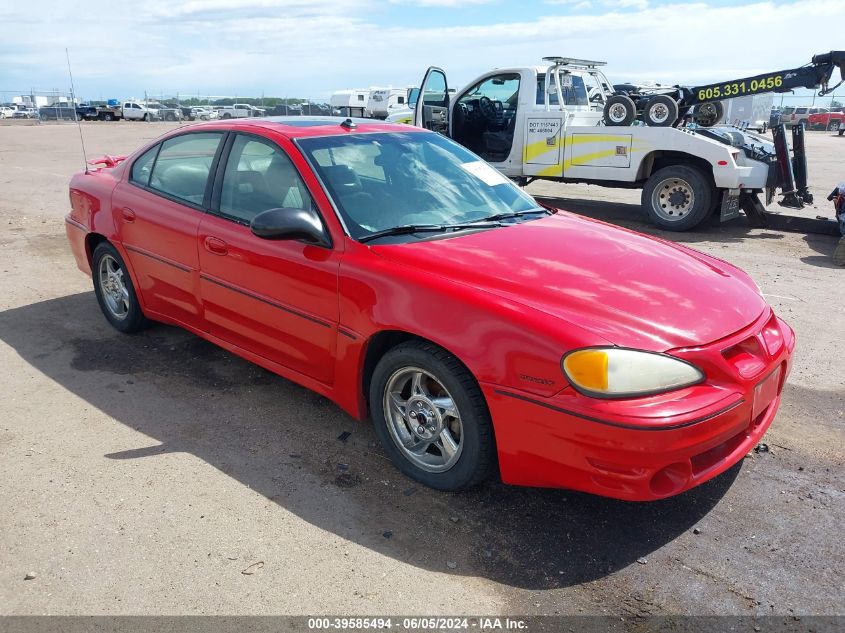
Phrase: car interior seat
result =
(284, 185)
(183, 180)
(359, 205)
(497, 145)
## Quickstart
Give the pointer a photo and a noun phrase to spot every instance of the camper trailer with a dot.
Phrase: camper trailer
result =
(385, 101)
(350, 102)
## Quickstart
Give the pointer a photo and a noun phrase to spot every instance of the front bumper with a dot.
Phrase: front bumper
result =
(647, 448)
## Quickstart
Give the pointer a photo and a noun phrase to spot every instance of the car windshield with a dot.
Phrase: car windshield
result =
(385, 180)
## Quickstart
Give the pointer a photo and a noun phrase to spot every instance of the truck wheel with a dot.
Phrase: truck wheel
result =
(678, 197)
(660, 111)
(108, 116)
(709, 113)
(832, 125)
(619, 110)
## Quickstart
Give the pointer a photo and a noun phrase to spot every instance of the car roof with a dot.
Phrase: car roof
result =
(305, 126)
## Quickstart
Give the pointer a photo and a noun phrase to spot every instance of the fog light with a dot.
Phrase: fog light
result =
(671, 479)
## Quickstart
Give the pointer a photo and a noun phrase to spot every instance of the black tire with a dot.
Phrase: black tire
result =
(678, 197)
(709, 113)
(660, 111)
(832, 125)
(477, 456)
(841, 132)
(619, 110)
(134, 319)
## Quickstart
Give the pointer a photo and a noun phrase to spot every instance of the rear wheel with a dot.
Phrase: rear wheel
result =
(620, 110)
(660, 111)
(114, 290)
(678, 197)
(833, 125)
(431, 417)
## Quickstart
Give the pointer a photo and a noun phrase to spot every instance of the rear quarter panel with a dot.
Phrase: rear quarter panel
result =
(90, 200)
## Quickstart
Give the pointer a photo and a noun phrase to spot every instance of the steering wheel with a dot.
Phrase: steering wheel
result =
(487, 108)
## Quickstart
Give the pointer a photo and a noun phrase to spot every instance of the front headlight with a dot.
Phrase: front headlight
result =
(613, 372)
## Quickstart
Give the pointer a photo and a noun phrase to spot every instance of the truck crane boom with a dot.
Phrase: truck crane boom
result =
(666, 106)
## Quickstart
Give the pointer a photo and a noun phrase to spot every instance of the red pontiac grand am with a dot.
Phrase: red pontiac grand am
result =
(394, 272)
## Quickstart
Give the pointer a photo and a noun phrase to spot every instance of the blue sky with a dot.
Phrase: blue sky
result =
(309, 49)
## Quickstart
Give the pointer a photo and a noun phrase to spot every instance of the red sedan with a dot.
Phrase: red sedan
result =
(396, 273)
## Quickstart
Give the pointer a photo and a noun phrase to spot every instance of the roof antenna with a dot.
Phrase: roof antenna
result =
(75, 113)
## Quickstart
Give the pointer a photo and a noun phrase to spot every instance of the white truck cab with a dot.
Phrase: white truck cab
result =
(546, 122)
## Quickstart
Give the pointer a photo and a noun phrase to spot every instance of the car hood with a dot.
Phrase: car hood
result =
(632, 290)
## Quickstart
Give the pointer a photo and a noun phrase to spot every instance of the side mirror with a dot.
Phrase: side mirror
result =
(290, 224)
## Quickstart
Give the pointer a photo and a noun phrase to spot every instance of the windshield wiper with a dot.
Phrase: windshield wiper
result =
(407, 229)
(514, 214)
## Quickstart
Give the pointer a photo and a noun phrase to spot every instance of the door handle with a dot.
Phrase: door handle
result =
(215, 245)
(128, 214)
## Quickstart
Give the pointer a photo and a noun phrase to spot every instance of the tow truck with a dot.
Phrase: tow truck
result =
(564, 121)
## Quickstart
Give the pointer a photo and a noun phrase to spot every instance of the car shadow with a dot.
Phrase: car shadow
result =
(306, 455)
(739, 229)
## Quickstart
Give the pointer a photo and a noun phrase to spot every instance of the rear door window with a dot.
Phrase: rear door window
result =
(183, 165)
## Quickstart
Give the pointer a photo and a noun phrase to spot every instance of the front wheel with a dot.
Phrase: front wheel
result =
(833, 125)
(114, 290)
(431, 417)
(678, 197)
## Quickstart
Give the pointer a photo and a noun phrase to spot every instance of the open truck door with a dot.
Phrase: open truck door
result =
(432, 108)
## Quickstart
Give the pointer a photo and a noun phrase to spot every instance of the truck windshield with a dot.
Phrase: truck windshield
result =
(380, 181)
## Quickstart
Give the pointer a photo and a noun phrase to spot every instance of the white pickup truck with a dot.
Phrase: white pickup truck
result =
(134, 111)
(547, 122)
(239, 111)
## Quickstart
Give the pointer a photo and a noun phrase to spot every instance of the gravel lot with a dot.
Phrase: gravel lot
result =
(145, 474)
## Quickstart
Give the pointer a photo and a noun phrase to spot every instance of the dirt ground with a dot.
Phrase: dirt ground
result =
(143, 474)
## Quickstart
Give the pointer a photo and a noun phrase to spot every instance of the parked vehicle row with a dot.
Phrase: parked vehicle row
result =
(812, 118)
